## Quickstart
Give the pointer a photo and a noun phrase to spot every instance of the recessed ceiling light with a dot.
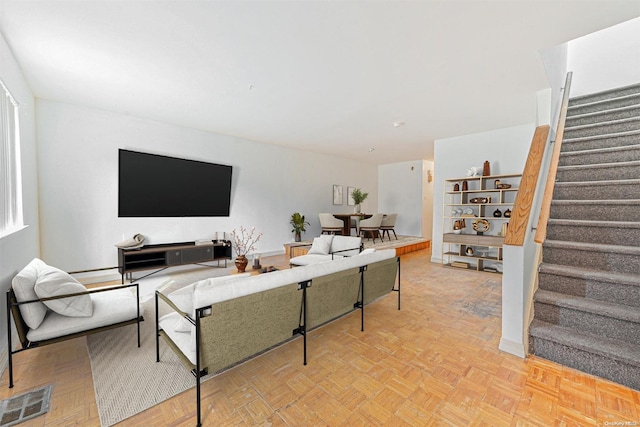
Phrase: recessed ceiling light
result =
(371, 150)
(398, 124)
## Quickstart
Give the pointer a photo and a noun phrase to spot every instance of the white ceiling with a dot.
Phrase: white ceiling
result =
(327, 76)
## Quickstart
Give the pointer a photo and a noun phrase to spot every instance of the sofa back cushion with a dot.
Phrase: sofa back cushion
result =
(341, 243)
(321, 245)
(23, 285)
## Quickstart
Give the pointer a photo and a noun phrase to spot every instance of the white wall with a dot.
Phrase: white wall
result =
(506, 150)
(17, 249)
(400, 190)
(427, 199)
(606, 59)
(78, 164)
(555, 65)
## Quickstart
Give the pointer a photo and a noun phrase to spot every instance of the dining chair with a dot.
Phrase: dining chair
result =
(388, 223)
(371, 226)
(330, 224)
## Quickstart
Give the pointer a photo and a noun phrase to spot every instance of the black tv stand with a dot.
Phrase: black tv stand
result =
(162, 256)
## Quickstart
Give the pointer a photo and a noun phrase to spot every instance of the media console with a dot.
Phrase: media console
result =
(163, 256)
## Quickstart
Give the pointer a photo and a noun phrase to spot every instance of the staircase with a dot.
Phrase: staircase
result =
(587, 306)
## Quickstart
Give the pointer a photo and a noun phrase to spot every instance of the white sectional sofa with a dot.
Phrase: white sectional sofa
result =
(219, 322)
(327, 248)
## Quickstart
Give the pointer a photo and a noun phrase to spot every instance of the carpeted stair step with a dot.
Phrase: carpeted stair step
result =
(608, 358)
(589, 316)
(627, 153)
(619, 139)
(597, 210)
(625, 233)
(599, 172)
(605, 128)
(604, 105)
(613, 258)
(594, 284)
(604, 95)
(626, 112)
(593, 190)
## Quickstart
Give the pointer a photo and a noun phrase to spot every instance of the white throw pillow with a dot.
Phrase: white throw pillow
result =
(321, 245)
(53, 282)
(23, 286)
(182, 325)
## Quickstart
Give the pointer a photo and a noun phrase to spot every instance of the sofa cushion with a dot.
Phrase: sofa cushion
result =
(183, 298)
(109, 307)
(52, 282)
(342, 243)
(309, 259)
(321, 245)
(23, 286)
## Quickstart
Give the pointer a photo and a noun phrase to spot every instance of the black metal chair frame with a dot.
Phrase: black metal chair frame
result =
(13, 310)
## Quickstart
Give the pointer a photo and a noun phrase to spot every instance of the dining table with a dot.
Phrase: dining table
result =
(346, 219)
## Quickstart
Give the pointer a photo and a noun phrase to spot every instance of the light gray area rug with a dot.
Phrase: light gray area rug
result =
(127, 380)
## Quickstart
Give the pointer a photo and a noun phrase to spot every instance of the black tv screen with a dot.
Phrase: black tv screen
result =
(150, 185)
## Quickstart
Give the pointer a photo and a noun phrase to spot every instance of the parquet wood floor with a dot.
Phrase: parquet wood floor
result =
(434, 363)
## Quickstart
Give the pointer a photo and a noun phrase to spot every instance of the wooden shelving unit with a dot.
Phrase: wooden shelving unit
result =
(476, 199)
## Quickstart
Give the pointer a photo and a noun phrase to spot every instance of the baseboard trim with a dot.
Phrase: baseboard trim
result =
(512, 347)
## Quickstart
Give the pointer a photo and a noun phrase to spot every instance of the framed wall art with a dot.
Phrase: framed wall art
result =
(337, 194)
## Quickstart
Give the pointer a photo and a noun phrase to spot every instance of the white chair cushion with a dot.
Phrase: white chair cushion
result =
(109, 307)
(52, 282)
(23, 286)
(321, 245)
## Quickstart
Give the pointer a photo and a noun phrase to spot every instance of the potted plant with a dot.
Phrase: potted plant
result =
(297, 222)
(244, 242)
(358, 197)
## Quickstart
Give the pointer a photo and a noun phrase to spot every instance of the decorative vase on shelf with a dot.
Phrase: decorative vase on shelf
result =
(486, 168)
(298, 236)
(356, 209)
(241, 263)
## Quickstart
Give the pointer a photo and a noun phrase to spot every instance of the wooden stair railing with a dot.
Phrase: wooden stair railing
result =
(541, 231)
(526, 191)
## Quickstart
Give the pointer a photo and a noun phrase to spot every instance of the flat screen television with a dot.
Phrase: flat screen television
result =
(151, 185)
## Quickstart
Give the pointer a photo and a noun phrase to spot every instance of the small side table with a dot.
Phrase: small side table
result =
(294, 249)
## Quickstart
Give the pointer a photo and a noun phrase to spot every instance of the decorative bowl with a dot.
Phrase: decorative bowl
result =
(503, 186)
(479, 200)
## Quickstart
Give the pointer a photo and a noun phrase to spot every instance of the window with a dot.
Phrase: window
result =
(10, 176)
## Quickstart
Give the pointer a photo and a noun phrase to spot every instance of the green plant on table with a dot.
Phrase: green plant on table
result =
(358, 196)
